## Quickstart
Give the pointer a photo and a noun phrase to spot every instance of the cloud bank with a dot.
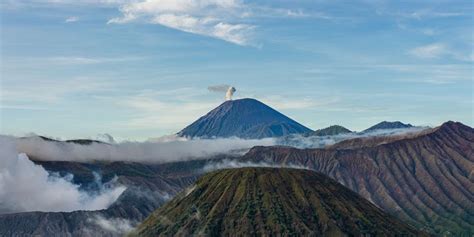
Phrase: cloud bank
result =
(21, 179)
(173, 148)
(303, 142)
(167, 149)
(233, 164)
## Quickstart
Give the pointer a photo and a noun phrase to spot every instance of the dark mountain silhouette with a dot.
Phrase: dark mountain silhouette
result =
(244, 118)
(270, 202)
(77, 141)
(388, 125)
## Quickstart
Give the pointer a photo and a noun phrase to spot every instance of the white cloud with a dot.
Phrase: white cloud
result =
(229, 20)
(71, 19)
(235, 164)
(429, 13)
(434, 50)
(204, 17)
(116, 226)
(25, 186)
(439, 50)
(168, 149)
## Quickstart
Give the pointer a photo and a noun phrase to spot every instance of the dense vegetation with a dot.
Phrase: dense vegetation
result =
(269, 201)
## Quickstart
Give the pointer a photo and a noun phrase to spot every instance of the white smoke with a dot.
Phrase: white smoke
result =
(229, 90)
(25, 186)
(154, 151)
(230, 93)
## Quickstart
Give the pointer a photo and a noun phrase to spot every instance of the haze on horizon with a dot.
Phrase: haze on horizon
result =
(140, 69)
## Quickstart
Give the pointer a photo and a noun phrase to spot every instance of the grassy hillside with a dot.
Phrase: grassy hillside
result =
(268, 201)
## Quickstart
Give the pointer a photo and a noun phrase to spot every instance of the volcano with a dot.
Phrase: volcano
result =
(270, 202)
(243, 118)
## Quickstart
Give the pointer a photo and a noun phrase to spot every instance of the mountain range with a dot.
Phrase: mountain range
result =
(423, 178)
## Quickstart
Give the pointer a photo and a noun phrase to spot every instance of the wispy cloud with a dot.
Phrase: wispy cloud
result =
(49, 91)
(430, 51)
(151, 111)
(71, 19)
(439, 50)
(209, 18)
(71, 60)
(78, 60)
(280, 102)
(430, 13)
(227, 20)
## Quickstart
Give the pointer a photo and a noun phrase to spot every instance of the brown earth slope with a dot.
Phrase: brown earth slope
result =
(426, 179)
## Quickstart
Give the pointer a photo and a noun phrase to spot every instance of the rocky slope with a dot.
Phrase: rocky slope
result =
(244, 118)
(270, 202)
(426, 178)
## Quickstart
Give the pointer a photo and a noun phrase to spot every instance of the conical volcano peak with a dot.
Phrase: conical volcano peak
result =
(271, 202)
(245, 118)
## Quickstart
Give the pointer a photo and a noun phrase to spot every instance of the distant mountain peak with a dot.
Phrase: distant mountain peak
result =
(331, 130)
(389, 125)
(244, 118)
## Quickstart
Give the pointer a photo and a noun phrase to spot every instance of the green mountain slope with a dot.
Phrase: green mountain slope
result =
(269, 202)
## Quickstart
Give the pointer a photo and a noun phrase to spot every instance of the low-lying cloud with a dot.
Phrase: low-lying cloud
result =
(233, 164)
(25, 186)
(173, 148)
(303, 142)
(170, 149)
(114, 226)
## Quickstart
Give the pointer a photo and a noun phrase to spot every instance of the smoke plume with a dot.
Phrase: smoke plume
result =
(227, 89)
(25, 186)
(230, 93)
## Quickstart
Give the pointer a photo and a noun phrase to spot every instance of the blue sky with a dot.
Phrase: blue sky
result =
(140, 68)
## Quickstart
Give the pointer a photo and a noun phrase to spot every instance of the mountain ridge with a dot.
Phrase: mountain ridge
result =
(426, 179)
